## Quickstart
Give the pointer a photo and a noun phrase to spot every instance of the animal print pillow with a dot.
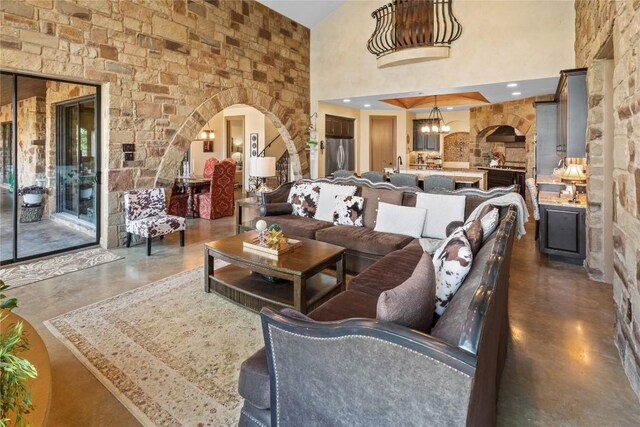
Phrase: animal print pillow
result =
(452, 262)
(349, 211)
(303, 198)
(489, 223)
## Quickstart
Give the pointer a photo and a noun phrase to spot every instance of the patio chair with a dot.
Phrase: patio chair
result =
(219, 201)
(373, 176)
(145, 215)
(439, 182)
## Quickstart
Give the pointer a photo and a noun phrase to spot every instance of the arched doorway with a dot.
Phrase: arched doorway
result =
(291, 131)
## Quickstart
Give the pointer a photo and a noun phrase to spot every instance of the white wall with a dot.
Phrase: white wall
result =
(501, 41)
(197, 157)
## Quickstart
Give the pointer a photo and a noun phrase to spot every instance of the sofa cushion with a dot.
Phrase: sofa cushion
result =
(452, 262)
(303, 198)
(293, 225)
(362, 239)
(411, 303)
(327, 199)
(489, 222)
(473, 231)
(388, 272)
(374, 195)
(429, 244)
(400, 220)
(253, 383)
(346, 305)
(348, 210)
(450, 326)
(441, 210)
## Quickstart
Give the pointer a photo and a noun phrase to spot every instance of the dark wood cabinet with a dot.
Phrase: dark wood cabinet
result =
(571, 96)
(423, 141)
(563, 231)
(339, 127)
(505, 178)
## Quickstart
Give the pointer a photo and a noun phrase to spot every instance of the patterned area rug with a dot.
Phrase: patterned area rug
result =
(170, 352)
(25, 274)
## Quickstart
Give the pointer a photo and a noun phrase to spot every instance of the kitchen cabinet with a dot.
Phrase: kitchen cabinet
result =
(571, 96)
(423, 141)
(547, 138)
(339, 127)
(563, 231)
(505, 178)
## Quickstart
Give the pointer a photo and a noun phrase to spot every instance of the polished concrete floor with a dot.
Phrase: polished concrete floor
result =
(562, 368)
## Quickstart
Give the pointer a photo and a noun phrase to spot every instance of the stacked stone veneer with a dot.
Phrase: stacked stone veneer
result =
(166, 68)
(456, 147)
(597, 22)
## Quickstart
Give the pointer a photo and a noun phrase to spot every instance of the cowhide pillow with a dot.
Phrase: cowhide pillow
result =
(303, 198)
(474, 233)
(349, 211)
(452, 262)
(489, 223)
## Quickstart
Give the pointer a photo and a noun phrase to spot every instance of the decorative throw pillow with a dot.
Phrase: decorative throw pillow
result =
(303, 198)
(489, 223)
(400, 220)
(327, 199)
(452, 262)
(441, 210)
(348, 211)
(372, 197)
(411, 303)
(474, 233)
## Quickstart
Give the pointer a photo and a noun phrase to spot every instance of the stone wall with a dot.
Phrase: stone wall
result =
(456, 147)
(596, 23)
(166, 69)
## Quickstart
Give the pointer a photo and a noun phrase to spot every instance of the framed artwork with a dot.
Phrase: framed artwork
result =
(253, 139)
(207, 146)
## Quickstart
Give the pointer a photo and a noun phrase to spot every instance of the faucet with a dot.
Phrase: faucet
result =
(398, 164)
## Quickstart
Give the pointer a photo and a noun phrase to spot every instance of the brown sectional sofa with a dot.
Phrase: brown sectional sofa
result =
(345, 368)
(364, 245)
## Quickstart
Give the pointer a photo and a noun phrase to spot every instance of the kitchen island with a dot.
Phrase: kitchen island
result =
(459, 175)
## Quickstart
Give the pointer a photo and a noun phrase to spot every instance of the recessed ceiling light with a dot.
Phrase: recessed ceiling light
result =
(449, 108)
(367, 105)
(346, 100)
(512, 85)
(516, 93)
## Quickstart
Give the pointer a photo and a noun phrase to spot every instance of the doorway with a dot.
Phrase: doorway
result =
(235, 150)
(382, 142)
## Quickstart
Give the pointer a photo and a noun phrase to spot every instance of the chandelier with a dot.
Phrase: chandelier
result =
(435, 121)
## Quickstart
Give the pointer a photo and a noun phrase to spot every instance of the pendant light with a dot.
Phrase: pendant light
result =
(435, 121)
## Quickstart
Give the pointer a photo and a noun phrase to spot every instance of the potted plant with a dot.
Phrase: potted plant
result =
(32, 195)
(15, 395)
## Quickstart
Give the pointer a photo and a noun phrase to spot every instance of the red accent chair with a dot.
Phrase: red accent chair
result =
(218, 202)
(208, 167)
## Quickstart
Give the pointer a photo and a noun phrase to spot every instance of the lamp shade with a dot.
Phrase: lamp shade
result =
(263, 166)
(573, 173)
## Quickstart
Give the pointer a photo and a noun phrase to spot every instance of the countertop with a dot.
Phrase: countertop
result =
(513, 169)
(473, 171)
(555, 199)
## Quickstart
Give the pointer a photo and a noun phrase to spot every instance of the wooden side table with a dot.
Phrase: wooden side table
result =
(249, 203)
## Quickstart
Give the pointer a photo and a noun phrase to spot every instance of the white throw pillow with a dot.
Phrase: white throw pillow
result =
(489, 223)
(452, 262)
(327, 199)
(400, 220)
(441, 210)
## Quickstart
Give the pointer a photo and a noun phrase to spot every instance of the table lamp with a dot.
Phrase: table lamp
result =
(573, 174)
(263, 167)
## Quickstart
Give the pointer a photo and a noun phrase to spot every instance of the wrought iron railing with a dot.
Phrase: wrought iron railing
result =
(404, 24)
(282, 168)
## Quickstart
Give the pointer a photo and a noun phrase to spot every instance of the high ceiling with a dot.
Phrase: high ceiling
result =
(305, 12)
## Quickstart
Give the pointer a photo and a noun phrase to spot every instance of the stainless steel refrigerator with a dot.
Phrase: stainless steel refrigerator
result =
(339, 154)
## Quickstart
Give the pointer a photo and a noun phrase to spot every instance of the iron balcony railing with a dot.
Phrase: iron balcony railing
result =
(404, 24)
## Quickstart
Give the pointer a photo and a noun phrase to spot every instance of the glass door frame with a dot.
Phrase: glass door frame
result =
(14, 155)
(61, 135)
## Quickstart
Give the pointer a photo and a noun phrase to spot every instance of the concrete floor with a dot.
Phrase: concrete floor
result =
(562, 369)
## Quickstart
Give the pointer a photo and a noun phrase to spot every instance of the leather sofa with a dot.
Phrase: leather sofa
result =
(342, 367)
(364, 246)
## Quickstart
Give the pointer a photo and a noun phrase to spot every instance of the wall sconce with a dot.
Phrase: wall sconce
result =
(207, 135)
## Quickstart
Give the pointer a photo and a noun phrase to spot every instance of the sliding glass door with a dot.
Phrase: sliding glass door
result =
(49, 166)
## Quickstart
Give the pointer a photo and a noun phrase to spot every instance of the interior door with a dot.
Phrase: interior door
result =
(382, 142)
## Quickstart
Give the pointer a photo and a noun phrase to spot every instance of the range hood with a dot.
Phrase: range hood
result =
(505, 134)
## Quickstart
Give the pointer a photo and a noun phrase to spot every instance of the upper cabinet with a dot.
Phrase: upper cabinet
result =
(571, 96)
(423, 141)
(339, 127)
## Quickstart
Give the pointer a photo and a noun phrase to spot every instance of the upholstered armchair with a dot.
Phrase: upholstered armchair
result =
(218, 202)
(208, 167)
(404, 180)
(179, 201)
(145, 215)
(373, 176)
(439, 182)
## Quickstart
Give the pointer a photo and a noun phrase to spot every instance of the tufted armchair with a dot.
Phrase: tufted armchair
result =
(145, 215)
(218, 202)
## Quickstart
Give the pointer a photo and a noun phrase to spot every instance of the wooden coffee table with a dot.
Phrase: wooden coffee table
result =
(305, 286)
